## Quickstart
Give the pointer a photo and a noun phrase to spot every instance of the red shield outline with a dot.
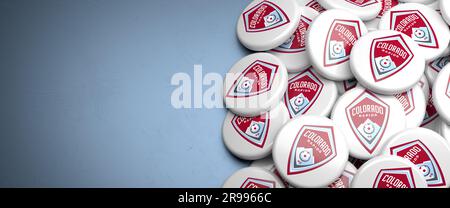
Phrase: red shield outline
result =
(405, 172)
(438, 64)
(316, 6)
(285, 19)
(257, 183)
(408, 97)
(302, 138)
(431, 112)
(377, 74)
(298, 39)
(362, 4)
(265, 118)
(369, 146)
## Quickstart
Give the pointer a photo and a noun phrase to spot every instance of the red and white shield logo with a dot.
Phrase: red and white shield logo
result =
(316, 6)
(263, 17)
(423, 158)
(386, 5)
(313, 147)
(302, 93)
(344, 181)
(254, 80)
(431, 112)
(257, 183)
(341, 37)
(416, 26)
(368, 117)
(438, 64)
(362, 3)
(253, 130)
(407, 101)
(395, 178)
(389, 55)
(296, 43)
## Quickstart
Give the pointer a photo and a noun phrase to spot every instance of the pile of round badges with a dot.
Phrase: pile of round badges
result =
(341, 94)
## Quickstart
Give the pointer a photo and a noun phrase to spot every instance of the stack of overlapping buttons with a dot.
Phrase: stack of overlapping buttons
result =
(341, 94)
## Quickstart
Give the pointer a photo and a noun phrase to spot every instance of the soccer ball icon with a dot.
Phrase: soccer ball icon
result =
(427, 169)
(272, 19)
(299, 102)
(255, 129)
(420, 34)
(337, 49)
(385, 64)
(369, 130)
(304, 157)
(245, 85)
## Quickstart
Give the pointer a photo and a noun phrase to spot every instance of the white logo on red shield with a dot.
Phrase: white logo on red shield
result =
(313, 147)
(394, 178)
(416, 26)
(257, 183)
(263, 17)
(253, 130)
(344, 181)
(341, 37)
(431, 112)
(407, 101)
(254, 80)
(368, 117)
(387, 5)
(316, 6)
(362, 3)
(438, 64)
(389, 55)
(303, 91)
(296, 43)
(423, 158)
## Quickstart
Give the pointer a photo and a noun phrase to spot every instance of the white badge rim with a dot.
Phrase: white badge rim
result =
(441, 94)
(238, 178)
(366, 13)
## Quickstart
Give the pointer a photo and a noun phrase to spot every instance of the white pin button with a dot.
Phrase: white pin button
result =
(445, 10)
(386, 5)
(441, 94)
(253, 177)
(423, 24)
(330, 40)
(427, 150)
(346, 178)
(344, 86)
(310, 151)
(293, 52)
(445, 130)
(388, 172)
(366, 10)
(387, 62)
(255, 84)
(309, 93)
(367, 121)
(266, 24)
(435, 6)
(312, 4)
(251, 138)
(414, 104)
(435, 66)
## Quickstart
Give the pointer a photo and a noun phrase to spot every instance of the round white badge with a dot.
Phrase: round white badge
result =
(388, 172)
(423, 24)
(251, 138)
(445, 131)
(346, 178)
(255, 84)
(427, 150)
(344, 86)
(387, 62)
(308, 93)
(266, 24)
(386, 5)
(414, 104)
(445, 10)
(441, 94)
(367, 121)
(366, 10)
(310, 151)
(253, 177)
(330, 40)
(293, 52)
(435, 66)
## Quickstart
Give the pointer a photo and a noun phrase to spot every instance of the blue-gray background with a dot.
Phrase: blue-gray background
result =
(85, 92)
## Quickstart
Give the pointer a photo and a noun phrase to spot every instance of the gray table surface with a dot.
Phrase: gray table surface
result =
(86, 92)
